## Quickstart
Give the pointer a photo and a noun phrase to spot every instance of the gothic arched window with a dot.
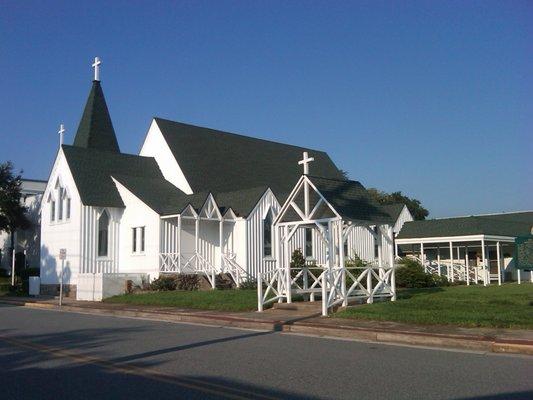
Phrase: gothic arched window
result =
(103, 236)
(267, 234)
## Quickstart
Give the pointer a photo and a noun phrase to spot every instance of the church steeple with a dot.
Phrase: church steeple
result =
(96, 129)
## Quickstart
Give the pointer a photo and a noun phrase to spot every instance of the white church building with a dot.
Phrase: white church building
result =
(196, 200)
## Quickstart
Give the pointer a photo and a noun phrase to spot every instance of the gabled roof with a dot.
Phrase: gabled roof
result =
(92, 170)
(217, 161)
(394, 210)
(351, 200)
(165, 199)
(95, 130)
(505, 224)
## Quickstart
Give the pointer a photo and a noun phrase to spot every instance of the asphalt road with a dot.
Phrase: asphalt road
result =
(59, 355)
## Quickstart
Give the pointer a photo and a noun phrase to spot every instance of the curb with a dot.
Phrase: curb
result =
(450, 341)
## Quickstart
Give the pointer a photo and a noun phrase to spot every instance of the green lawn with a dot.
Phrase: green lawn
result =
(223, 300)
(506, 306)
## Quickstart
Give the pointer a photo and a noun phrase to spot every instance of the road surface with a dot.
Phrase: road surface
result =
(48, 354)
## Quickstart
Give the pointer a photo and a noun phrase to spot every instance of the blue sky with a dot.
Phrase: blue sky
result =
(430, 98)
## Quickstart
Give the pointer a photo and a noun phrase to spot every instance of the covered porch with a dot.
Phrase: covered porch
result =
(200, 242)
(473, 259)
(333, 209)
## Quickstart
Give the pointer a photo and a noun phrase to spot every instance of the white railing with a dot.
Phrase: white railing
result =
(230, 266)
(195, 263)
(335, 286)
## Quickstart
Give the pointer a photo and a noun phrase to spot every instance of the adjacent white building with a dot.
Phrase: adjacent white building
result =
(194, 200)
(26, 242)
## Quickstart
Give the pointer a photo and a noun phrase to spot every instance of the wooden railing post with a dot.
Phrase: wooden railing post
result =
(370, 299)
(324, 293)
(260, 292)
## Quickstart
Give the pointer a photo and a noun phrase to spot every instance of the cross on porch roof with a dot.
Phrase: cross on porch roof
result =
(305, 161)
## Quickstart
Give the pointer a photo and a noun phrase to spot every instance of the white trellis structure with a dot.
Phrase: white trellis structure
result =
(184, 250)
(333, 281)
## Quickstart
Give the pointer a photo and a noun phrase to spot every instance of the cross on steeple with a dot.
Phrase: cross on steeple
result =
(305, 162)
(61, 132)
(96, 66)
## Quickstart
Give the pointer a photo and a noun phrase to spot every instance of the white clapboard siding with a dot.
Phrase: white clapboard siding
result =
(255, 261)
(90, 262)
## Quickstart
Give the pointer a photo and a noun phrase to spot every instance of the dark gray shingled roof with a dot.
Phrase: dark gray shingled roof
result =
(394, 210)
(95, 130)
(351, 200)
(507, 224)
(217, 161)
(165, 199)
(92, 170)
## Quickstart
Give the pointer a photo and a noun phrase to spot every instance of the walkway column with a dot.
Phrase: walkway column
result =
(341, 264)
(380, 250)
(467, 266)
(438, 259)
(484, 262)
(288, 266)
(179, 244)
(197, 238)
(422, 257)
(450, 269)
(391, 260)
(220, 243)
(498, 252)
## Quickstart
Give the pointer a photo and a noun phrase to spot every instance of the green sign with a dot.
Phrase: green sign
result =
(524, 252)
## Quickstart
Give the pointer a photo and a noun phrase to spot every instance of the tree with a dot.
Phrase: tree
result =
(413, 205)
(12, 211)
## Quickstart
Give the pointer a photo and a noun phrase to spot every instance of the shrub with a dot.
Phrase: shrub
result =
(411, 275)
(187, 282)
(164, 282)
(297, 259)
(249, 284)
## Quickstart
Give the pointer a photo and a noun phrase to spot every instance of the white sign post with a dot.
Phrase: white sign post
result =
(62, 257)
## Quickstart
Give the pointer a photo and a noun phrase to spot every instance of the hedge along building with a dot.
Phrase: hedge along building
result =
(195, 200)
(474, 249)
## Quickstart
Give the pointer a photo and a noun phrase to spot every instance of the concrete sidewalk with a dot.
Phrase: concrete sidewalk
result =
(308, 321)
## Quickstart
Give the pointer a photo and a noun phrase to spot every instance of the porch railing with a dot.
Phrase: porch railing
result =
(336, 286)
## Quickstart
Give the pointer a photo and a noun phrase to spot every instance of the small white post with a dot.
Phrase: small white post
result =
(531, 276)
(259, 292)
(324, 293)
(61, 283)
(519, 277)
(370, 299)
(13, 266)
(498, 252)
(197, 239)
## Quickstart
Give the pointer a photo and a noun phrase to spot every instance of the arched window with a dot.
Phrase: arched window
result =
(267, 234)
(308, 242)
(103, 237)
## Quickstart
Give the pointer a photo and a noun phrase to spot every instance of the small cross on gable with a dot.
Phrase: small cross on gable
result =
(305, 162)
(96, 66)
(61, 133)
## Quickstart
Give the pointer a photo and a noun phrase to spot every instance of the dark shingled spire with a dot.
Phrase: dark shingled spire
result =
(96, 129)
